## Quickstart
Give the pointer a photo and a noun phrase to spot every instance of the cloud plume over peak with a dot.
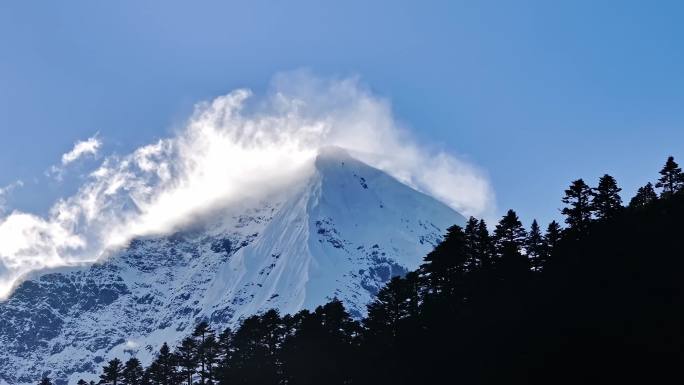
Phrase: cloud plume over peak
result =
(232, 148)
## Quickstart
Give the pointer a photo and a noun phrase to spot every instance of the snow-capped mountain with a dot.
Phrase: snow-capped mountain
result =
(342, 234)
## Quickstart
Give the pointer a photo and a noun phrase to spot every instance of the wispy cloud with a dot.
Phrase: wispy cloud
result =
(82, 148)
(232, 148)
(4, 191)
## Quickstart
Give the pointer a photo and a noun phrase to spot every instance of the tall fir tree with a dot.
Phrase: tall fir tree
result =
(224, 346)
(535, 247)
(472, 242)
(485, 246)
(578, 213)
(254, 351)
(478, 245)
(509, 239)
(445, 266)
(645, 195)
(392, 316)
(132, 373)
(111, 373)
(672, 179)
(509, 234)
(153, 373)
(163, 370)
(225, 342)
(607, 202)
(394, 303)
(552, 238)
(274, 333)
(186, 358)
(326, 339)
(201, 333)
(210, 350)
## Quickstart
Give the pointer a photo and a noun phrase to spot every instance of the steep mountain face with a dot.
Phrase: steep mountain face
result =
(342, 234)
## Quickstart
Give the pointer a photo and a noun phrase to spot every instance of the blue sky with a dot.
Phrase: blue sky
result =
(536, 93)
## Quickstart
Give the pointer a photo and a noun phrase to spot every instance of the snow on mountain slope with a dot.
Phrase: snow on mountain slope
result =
(342, 234)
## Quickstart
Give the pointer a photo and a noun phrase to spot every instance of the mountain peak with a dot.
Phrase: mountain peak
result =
(343, 235)
(332, 154)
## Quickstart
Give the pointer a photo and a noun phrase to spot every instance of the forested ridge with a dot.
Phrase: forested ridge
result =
(598, 300)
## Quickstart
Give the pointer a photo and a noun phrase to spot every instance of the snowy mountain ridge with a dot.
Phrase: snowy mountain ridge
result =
(342, 234)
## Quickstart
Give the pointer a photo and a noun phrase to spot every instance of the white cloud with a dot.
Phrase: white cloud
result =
(4, 191)
(82, 148)
(231, 148)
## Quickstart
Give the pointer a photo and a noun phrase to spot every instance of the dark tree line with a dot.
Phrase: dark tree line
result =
(600, 301)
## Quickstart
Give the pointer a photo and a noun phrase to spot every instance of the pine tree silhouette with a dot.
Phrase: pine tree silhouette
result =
(224, 346)
(472, 244)
(509, 234)
(255, 347)
(445, 266)
(132, 373)
(186, 358)
(672, 179)
(607, 202)
(224, 343)
(389, 328)
(535, 247)
(201, 333)
(318, 344)
(163, 371)
(552, 238)
(644, 196)
(395, 302)
(210, 349)
(509, 240)
(485, 246)
(111, 373)
(579, 198)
